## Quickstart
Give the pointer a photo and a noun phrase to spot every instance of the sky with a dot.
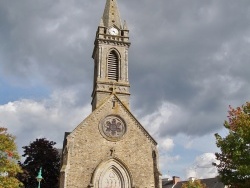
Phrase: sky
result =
(188, 61)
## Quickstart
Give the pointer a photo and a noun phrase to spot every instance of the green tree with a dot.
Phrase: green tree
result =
(194, 184)
(234, 159)
(41, 153)
(8, 161)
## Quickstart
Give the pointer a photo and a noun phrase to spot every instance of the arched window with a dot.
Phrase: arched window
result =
(113, 66)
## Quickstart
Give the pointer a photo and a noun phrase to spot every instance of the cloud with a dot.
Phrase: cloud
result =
(155, 120)
(167, 144)
(50, 118)
(43, 44)
(194, 58)
(188, 61)
(170, 120)
(203, 167)
(165, 161)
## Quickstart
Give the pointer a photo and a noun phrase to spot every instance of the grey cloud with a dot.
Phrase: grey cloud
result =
(181, 52)
(179, 63)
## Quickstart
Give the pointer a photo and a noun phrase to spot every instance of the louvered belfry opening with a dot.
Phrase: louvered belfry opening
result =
(113, 65)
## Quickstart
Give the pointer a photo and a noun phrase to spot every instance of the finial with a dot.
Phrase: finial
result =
(125, 26)
(101, 23)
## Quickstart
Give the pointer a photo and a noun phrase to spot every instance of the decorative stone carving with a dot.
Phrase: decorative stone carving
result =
(111, 179)
(111, 174)
(112, 128)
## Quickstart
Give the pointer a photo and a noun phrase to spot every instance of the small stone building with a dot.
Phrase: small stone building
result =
(110, 148)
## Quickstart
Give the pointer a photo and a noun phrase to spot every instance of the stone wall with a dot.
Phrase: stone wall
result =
(87, 148)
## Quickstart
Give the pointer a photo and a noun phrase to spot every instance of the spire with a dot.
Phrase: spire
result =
(111, 15)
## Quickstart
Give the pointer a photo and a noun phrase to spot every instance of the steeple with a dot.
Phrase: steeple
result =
(110, 56)
(111, 15)
(110, 148)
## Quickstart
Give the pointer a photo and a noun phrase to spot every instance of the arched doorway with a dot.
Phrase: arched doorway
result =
(111, 174)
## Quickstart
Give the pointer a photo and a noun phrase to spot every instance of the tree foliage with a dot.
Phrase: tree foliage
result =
(234, 166)
(41, 153)
(8, 161)
(194, 184)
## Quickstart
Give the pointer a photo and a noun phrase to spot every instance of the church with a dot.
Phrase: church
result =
(110, 148)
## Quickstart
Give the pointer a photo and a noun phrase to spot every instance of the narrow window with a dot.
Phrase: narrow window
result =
(113, 72)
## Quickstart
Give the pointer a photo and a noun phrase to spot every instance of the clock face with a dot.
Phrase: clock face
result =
(113, 127)
(113, 31)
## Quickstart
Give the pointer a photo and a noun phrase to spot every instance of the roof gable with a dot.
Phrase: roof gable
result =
(113, 97)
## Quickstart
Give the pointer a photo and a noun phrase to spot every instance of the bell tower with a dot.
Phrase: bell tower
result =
(110, 56)
(110, 148)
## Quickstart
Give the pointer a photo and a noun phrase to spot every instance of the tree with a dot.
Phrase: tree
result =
(234, 159)
(194, 184)
(41, 153)
(8, 161)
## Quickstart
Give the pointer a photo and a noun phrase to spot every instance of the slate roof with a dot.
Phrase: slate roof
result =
(210, 183)
(166, 183)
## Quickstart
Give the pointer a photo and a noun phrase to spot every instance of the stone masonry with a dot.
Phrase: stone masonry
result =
(110, 148)
(87, 148)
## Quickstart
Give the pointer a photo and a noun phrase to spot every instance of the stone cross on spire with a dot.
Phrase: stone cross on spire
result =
(111, 15)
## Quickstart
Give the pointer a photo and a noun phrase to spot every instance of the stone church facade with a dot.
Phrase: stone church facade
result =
(110, 148)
